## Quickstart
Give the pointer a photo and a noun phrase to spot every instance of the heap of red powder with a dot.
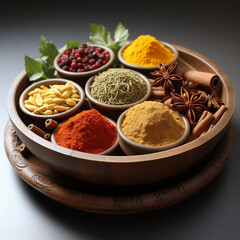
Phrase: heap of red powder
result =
(88, 131)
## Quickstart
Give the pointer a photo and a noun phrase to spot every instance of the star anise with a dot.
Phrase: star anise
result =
(212, 101)
(165, 78)
(202, 99)
(167, 100)
(190, 86)
(189, 105)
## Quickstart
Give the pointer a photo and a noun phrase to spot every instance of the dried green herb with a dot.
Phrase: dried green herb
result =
(118, 86)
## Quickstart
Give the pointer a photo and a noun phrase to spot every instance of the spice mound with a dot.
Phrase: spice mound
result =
(153, 124)
(118, 86)
(88, 131)
(53, 99)
(146, 51)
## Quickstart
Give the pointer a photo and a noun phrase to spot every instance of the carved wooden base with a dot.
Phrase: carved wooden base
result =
(107, 200)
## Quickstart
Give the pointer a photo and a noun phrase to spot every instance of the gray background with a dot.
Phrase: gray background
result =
(208, 27)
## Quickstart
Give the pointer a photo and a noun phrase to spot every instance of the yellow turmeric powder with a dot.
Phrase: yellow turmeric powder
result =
(153, 124)
(147, 51)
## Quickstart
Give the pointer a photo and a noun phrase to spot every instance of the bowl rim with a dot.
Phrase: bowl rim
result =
(107, 151)
(48, 81)
(170, 46)
(118, 107)
(87, 73)
(222, 123)
(148, 148)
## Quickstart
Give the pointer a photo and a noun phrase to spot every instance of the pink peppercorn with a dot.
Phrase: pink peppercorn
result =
(83, 58)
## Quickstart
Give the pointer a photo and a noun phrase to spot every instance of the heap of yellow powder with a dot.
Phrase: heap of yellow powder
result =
(153, 124)
(147, 51)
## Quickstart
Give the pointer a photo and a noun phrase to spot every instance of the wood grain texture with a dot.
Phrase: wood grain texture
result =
(117, 169)
(112, 201)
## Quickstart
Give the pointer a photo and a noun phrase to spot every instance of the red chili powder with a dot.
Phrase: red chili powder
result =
(88, 131)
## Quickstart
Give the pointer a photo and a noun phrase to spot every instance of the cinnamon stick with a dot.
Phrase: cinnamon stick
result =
(36, 130)
(158, 94)
(158, 88)
(47, 136)
(203, 123)
(51, 124)
(23, 149)
(217, 115)
(208, 80)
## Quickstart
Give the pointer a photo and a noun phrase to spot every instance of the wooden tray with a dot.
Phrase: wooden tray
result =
(109, 200)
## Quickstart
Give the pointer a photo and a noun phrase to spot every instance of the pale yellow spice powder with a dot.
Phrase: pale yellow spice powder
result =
(147, 51)
(153, 124)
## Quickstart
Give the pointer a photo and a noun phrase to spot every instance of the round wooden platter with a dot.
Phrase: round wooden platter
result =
(115, 200)
(118, 169)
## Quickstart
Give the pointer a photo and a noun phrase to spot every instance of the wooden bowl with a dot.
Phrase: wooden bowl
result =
(48, 82)
(131, 147)
(82, 77)
(106, 152)
(147, 69)
(114, 111)
(126, 170)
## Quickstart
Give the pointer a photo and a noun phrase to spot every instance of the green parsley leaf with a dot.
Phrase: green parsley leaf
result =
(69, 44)
(72, 44)
(48, 69)
(99, 35)
(121, 34)
(33, 69)
(115, 47)
(37, 77)
(47, 48)
(41, 59)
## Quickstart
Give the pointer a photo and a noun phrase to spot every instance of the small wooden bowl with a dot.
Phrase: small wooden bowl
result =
(106, 152)
(48, 82)
(143, 69)
(114, 111)
(130, 147)
(122, 170)
(82, 77)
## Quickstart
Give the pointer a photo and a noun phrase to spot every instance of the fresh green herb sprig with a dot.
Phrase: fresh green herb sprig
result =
(100, 35)
(42, 67)
(70, 44)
